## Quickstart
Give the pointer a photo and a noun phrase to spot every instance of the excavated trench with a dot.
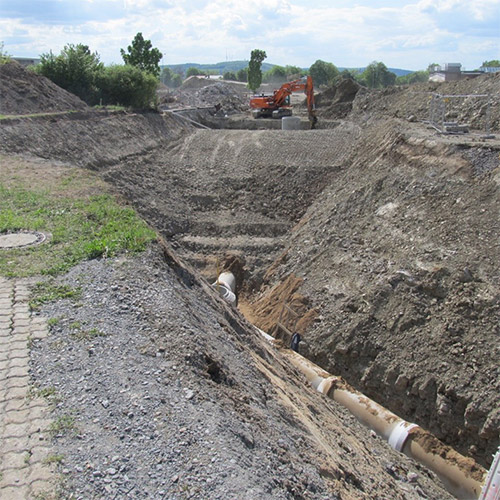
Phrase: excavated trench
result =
(380, 245)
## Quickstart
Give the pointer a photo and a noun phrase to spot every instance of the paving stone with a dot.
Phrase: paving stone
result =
(18, 362)
(20, 445)
(16, 405)
(42, 488)
(39, 471)
(17, 417)
(15, 460)
(15, 492)
(17, 382)
(16, 393)
(13, 477)
(40, 454)
(17, 430)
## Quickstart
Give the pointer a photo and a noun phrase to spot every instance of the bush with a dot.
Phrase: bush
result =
(229, 75)
(128, 86)
(75, 69)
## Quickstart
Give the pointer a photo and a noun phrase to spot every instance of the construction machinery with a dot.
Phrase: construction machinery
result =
(278, 104)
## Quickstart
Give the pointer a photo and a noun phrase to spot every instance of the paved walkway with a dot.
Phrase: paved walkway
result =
(24, 440)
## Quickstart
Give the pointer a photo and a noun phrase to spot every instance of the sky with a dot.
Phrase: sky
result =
(401, 34)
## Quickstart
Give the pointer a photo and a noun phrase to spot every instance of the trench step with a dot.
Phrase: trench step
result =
(244, 244)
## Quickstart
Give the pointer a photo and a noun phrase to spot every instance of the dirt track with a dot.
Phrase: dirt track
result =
(393, 230)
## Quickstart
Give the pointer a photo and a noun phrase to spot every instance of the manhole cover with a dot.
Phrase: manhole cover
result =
(21, 239)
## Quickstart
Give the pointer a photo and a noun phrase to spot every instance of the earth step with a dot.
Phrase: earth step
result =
(250, 227)
(207, 264)
(244, 244)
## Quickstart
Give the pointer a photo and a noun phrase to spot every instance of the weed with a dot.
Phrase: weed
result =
(76, 325)
(54, 321)
(53, 459)
(27, 457)
(88, 334)
(47, 291)
(63, 424)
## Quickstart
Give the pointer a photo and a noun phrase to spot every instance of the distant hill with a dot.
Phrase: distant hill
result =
(221, 67)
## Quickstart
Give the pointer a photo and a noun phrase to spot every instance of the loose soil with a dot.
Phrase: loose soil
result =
(380, 233)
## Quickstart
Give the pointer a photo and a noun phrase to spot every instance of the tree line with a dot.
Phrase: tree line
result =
(134, 83)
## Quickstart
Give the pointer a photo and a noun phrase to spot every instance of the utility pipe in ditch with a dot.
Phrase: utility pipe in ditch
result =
(461, 476)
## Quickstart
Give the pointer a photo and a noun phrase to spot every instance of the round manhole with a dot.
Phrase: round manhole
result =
(21, 239)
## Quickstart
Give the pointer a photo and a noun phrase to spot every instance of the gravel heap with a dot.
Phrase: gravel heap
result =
(158, 387)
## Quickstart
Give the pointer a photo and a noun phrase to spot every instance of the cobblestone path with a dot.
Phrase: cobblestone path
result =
(25, 470)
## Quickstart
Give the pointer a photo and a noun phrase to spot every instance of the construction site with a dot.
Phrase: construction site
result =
(375, 236)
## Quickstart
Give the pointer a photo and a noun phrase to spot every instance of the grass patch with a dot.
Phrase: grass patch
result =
(82, 227)
(53, 459)
(88, 334)
(51, 322)
(63, 425)
(48, 291)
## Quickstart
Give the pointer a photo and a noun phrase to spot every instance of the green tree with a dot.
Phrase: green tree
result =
(128, 86)
(293, 72)
(242, 75)
(411, 78)
(75, 69)
(142, 55)
(376, 76)
(176, 81)
(323, 73)
(229, 75)
(277, 74)
(494, 63)
(166, 76)
(192, 71)
(254, 69)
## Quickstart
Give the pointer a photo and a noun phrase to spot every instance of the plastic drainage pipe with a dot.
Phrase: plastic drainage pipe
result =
(226, 286)
(461, 476)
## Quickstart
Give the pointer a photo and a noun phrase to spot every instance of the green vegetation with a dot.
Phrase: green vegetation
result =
(4, 57)
(63, 424)
(128, 86)
(376, 76)
(415, 77)
(53, 459)
(254, 69)
(81, 227)
(170, 79)
(494, 63)
(93, 333)
(75, 69)
(80, 72)
(48, 291)
(323, 73)
(142, 55)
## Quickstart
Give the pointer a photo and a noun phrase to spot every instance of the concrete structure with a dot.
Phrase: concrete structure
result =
(26, 61)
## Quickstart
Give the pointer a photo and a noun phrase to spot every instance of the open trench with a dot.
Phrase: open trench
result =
(371, 295)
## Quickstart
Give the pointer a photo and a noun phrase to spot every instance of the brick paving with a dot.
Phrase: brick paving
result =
(24, 417)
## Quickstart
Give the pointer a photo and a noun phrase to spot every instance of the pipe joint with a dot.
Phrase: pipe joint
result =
(399, 435)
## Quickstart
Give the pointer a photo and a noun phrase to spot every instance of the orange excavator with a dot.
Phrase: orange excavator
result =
(278, 104)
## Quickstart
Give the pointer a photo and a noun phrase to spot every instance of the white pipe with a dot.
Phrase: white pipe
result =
(461, 476)
(226, 286)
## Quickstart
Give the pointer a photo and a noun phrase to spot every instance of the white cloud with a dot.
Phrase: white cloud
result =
(399, 33)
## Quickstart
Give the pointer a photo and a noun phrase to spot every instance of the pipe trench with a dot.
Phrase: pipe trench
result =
(461, 476)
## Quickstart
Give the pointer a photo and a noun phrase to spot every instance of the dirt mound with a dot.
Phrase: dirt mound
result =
(225, 98)
(414, 102)
(24, 92)
(336, 101)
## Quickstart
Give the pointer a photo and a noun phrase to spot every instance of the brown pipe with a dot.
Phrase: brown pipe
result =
(461, 476)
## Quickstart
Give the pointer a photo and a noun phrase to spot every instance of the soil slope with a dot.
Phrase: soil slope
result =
(393, 232)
